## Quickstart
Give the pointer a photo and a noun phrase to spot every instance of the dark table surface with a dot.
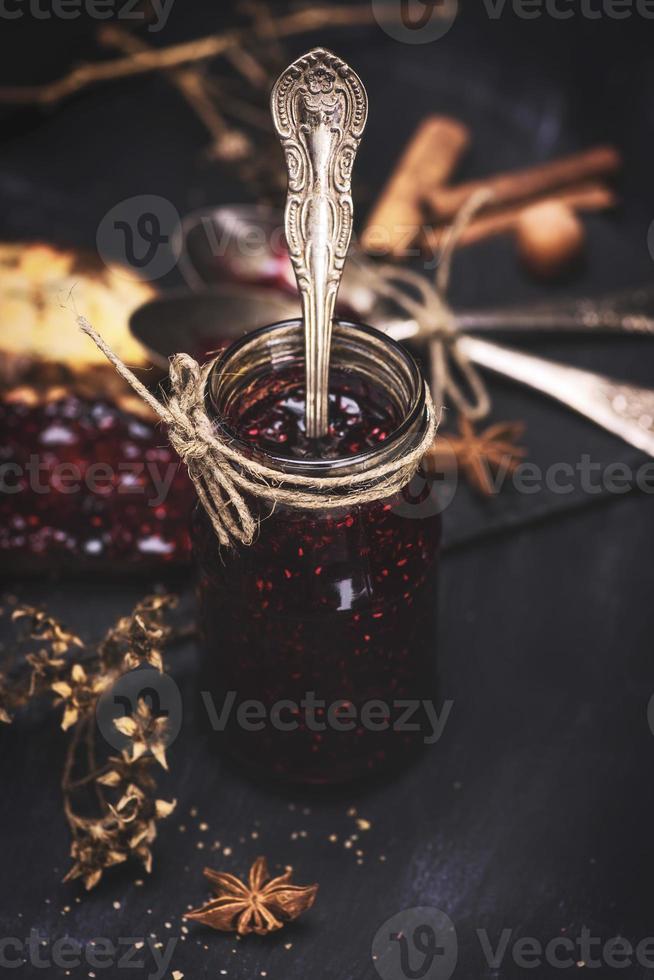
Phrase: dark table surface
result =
(533, 813)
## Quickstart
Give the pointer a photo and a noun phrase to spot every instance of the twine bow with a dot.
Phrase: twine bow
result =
(426, 304)
(223, 475)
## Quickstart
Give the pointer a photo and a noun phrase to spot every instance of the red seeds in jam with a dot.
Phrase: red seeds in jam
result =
(270, 415)
(327, 620)
(88, 484)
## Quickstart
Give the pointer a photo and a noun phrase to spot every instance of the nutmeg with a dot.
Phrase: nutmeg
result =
(549, 237)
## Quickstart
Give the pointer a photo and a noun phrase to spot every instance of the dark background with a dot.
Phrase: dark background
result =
(534, 812)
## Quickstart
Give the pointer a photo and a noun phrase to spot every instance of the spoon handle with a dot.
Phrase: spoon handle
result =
(319, 108)
(628, 312)
(620, 407)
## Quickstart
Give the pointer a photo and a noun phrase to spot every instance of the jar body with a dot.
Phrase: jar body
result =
(319, 638)
(328, 622)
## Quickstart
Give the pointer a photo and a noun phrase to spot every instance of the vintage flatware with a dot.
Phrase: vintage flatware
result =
(242, 243)
(199, 322)
(617, 406)
(246, 243)
(620, 407)
(630, 311)
(319, 109)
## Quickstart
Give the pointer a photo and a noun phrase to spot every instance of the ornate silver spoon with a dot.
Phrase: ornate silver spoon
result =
(625, 409)
(187, 321)
(319, 109)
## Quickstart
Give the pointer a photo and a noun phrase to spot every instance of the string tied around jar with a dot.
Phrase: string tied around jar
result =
(426, 303)
(223, 475)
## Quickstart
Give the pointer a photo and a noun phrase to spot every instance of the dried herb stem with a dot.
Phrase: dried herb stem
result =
(263, 24)
(227, 143)
(248, 66)
(90, 776)
(177, 55)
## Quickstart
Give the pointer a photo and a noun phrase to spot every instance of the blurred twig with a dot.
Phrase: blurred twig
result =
(177, 55)
(227, 143)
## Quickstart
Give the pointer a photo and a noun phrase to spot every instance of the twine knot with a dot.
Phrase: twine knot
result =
(426, 304)
(224, 477)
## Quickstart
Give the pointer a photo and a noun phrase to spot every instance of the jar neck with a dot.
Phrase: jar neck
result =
(356, 348)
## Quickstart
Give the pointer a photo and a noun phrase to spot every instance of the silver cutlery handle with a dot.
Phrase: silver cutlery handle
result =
(629, 312)
(319, 108)
(523, 321)
(621, 408)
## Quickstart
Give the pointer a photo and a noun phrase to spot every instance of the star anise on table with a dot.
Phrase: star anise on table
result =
(261, 906)
(479, 454)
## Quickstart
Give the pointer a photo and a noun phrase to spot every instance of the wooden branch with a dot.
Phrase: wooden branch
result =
(247, 112)
(227, 143)
(177, 55)
(520, 185)
(244, 62)
(263, 24)
(86, 74)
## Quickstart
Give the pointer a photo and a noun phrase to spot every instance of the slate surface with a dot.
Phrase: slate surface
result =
(533, 812)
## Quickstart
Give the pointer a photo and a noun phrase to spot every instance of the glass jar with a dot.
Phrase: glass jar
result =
(319, 638)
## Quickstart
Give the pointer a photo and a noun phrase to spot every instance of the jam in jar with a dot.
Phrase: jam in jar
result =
(319, 638)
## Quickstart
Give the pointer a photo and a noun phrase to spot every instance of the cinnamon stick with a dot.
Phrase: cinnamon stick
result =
(428, 160)
(520, 185)
(591, 196)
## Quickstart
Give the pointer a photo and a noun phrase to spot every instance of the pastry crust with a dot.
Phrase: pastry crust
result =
(41, 290)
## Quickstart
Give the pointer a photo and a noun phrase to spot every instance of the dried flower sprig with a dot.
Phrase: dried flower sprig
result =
(40, 668)
(125, 810)
(146, 732)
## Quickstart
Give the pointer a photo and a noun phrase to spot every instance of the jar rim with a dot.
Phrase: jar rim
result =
(317, 466)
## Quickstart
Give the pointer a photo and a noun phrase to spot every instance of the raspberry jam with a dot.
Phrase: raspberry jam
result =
(86, 484)
(319, 637)
(270, 417)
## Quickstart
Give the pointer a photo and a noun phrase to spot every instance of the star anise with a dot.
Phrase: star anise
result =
(479, 454)
(261, 906)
